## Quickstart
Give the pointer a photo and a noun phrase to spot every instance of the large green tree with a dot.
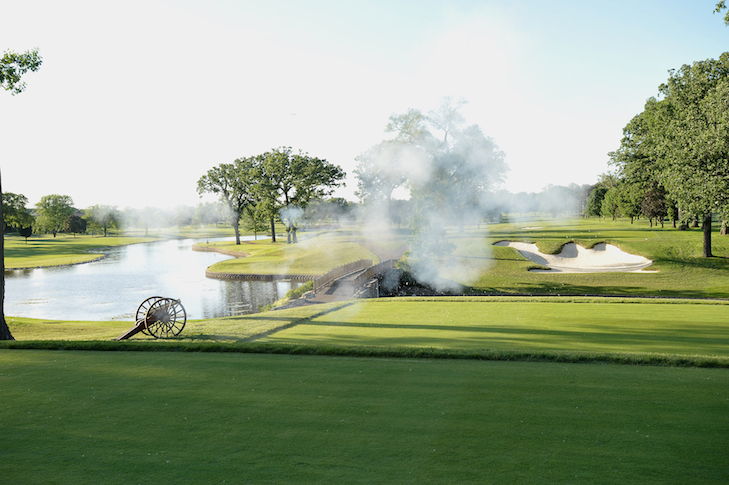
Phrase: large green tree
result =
(236, 185)
(12, 67)
(692, 139)
(288, 181)
(15, 213)
(52, 212)
(681, 142)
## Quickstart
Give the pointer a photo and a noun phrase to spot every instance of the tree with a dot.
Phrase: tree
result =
(236, 185)
(654, 205)
(594, 201)
(53, 210)
(254, 219)
(14, 212)
(25, 232)
(288, 181)
(12, 67)
(610, 204)
(692, 136)
(630, 199)
(380, 171)
(75, 225)
(102, 218)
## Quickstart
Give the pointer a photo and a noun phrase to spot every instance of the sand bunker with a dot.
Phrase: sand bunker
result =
(603, 258)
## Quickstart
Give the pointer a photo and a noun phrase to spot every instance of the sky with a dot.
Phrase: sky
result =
(137, 99)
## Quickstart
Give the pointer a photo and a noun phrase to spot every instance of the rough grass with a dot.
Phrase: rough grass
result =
(141, 417)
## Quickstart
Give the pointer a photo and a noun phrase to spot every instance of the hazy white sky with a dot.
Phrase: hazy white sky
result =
(137, 99)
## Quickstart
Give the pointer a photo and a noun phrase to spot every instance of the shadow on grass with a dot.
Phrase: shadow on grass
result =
(498, 333)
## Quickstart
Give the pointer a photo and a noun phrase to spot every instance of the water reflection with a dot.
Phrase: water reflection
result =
(113, 288)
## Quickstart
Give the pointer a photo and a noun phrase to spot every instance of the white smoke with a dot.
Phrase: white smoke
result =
(450, 173)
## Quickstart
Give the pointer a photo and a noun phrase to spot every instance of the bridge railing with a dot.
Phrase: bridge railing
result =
(370, 273)
(340, 271)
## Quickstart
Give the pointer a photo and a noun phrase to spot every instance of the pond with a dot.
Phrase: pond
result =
(113, 288)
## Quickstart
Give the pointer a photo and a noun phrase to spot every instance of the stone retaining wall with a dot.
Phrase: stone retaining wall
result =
(259, 277)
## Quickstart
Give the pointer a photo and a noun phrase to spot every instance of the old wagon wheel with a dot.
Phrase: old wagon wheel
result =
(142, 311)
(165, 317)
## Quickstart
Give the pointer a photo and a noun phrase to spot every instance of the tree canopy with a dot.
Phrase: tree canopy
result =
(681, 142)
(15, 213)
(53, 210)
(288, 181)
(13, 66)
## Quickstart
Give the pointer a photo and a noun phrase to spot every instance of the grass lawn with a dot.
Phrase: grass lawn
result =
(313, 255)
(577, 324)
(245, 415)
(139, 417)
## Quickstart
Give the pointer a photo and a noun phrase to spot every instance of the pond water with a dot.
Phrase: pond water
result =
(113, 288)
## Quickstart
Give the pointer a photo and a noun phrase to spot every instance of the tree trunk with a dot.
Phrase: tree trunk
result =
(236, 229)
(707, 236)
(273, 230)
(724, 231)
(4, 329)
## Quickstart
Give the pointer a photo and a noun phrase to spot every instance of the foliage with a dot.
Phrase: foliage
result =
(682, 141)
(594, 201)
(101, 218)
(236, 185)
(721, 5)
(654, 204)
(288, 181)
(380, 170)
(75, 225)
(15, 213)
(53, 210)
(13, 66)
(610, 206)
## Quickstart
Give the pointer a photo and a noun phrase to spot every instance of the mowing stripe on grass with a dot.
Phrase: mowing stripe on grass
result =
(596, 326)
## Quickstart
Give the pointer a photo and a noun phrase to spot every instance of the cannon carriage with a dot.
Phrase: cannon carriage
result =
(158, 317)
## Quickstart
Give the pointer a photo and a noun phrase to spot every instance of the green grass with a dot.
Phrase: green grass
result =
(681, 271)
(139, 417)
(576, 324)
(218, 406)
(311, 256)
(61, 250)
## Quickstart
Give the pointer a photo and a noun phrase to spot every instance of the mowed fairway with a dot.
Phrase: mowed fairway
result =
(166, 417)
(574, 324)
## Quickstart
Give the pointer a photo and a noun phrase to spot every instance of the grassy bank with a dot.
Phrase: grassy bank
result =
(65, 249)
(139, 417)
(311, 256)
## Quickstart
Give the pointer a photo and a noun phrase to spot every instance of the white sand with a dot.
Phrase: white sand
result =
(603, 258)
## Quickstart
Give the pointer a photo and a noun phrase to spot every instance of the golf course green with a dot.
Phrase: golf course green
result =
(462, 389)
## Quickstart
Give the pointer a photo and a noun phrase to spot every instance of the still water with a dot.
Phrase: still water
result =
(113, 288)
